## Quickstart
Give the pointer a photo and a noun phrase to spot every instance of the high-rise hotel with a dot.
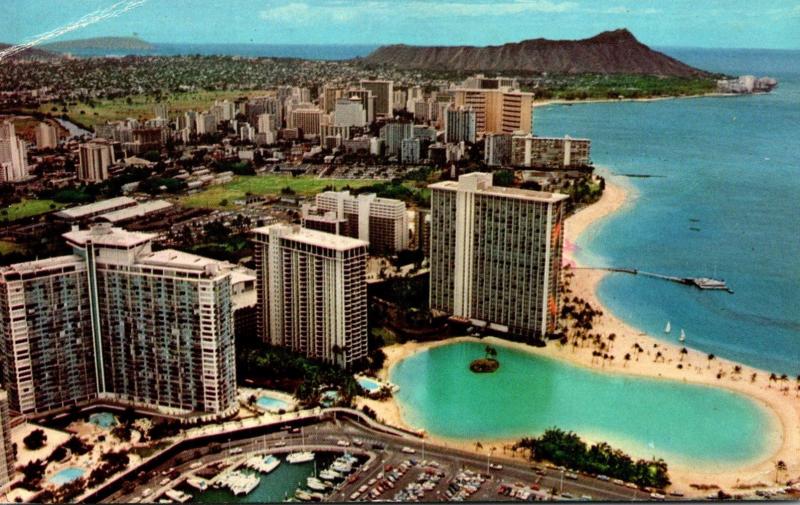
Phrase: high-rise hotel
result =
(496, 254)
(6, 447)
(312, 292)
(116, 321)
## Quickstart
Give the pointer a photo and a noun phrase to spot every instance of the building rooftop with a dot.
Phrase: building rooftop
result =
(521, 194)
(105, 234)
(43, 264)
(96, 207)
(311, 237)
(139, 210)
(181, 260)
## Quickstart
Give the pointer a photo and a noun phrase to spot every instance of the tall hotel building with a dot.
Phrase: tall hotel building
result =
(384, 96)
(13, 154)
(95, 157)
(116, 321)
(499, 107)
(6, 447)
(383, 222)
(312, 292)
(496, 254)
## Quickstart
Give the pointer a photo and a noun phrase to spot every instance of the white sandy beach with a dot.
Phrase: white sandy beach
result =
(785, 406)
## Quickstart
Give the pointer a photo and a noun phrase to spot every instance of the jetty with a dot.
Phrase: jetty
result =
(698, 282)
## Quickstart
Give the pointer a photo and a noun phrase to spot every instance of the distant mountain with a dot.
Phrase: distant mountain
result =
(100, 43)
(31, 53)
(612, 52)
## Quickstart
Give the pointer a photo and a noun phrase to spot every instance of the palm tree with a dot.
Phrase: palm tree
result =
(684, 352)
(753, 377)
(772, 378)
(710, 357)
(780, 467)
(627, 358)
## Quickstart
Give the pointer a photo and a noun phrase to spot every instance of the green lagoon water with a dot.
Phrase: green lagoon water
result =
(685, 424)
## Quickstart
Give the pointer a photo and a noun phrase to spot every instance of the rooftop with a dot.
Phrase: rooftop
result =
(139, 210)
(179, 259)
(44, 264)
(96, 207)
(104, 234)
(520, 194)
(311, 237)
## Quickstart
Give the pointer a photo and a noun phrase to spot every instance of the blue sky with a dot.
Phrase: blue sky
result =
(696, 23)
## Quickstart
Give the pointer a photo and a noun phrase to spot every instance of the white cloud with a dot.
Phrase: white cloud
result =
(340, 11)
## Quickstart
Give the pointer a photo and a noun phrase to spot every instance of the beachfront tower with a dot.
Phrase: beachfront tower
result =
(496, 254)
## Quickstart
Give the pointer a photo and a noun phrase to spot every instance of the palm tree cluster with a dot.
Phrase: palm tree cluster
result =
(568, 449)
(282, 369)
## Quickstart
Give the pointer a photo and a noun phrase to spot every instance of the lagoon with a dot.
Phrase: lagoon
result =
(683, 423)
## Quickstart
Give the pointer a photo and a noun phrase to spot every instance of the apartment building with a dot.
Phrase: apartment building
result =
(498, 110)
(6, 448)
(312, 292)
(383, 222)
(550, 153)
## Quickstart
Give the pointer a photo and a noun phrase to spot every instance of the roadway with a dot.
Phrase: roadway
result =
(385, 449)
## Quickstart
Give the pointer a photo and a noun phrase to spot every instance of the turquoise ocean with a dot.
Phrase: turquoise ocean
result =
(723, 201)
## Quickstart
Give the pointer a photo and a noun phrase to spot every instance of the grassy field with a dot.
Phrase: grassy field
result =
(9, 247)
(222, 196)
(141, 106)
(28, 208)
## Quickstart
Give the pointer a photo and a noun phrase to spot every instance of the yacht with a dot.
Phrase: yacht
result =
(300, 457)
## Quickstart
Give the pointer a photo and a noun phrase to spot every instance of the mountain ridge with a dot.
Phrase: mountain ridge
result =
(100, 43)
(610, 52)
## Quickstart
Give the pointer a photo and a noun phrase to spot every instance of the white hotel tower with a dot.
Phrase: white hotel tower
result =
(312, 292)
(496, 254)
(116, 321)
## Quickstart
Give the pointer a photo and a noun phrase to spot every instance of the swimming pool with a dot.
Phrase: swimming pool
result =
(369, 385)
(328, 398)
(272, 403)
(103, 419)
(67, 475)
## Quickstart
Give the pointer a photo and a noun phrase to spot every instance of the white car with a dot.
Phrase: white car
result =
(408, 450)
(236, 450)
(495, 466)
(342, 443)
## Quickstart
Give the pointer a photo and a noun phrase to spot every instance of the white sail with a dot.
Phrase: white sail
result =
(668, 328)
(683, 336)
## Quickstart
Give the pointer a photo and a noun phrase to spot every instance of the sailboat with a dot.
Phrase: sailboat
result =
(302, 456)
(668, 328)
(683, 336)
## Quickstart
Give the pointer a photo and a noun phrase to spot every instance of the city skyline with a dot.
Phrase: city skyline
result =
(463, 22)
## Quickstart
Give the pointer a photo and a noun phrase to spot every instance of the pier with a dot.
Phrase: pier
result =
(698, 282)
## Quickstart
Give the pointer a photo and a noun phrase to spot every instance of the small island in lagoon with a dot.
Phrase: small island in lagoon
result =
(488, 363)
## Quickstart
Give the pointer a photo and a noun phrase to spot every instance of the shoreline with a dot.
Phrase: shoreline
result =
(784, 409)
(562, 101)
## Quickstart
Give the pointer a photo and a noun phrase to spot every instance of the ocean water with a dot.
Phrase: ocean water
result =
(310, 51)
(724, 202)
(528, 394)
